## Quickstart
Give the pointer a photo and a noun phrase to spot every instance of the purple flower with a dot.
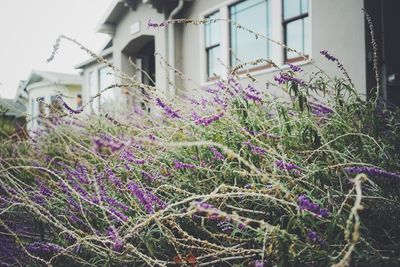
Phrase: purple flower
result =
(259, 263)
(43, 190)
(106, 142)
(295, 68)
(217, 155)
(306, 204)
(151, 24)
(167, 109)
(225, 227)
(148, 176)
(180, 165)
(115, 203)
(130, 157)
(119, 216)
(141, 196)
(320, 110)
(206, 120)
(70, 110)
(372, 171)
(43, 248)
(248, 186)
(287, 166)
(285, 78)
(315, 238)
(147, 199)
(326, 54)
(250, 93)
(118, 244)
(255, 149)
(113, 178)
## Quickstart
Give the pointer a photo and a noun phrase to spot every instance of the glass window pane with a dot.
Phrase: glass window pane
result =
(214, 66)
(291, 8)
(245, 47)
(55, 102)
(304, 6)
(212, 31)
(294, 37)
(106, 79)
(242, 6)
(307, 41)
(93, 83)
(94, 90)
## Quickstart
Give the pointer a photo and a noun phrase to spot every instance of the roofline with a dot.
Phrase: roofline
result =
(103, 53)
(51, 81)
(103, 21)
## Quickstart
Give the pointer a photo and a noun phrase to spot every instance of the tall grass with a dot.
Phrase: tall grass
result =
(235, 176)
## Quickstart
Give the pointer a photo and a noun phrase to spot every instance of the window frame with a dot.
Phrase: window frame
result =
(210, 76)
(285, 23)
(260, 67)
(276, 54)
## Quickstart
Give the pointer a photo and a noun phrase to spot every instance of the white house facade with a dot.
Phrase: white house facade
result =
(203, 52)
(43, 90)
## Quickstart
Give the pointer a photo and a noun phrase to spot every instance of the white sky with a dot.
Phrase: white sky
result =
(29, 28)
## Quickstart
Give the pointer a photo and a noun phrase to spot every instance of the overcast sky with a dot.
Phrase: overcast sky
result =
(28, 29)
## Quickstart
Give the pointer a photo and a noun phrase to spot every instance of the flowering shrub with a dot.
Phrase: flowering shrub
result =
(236, 176)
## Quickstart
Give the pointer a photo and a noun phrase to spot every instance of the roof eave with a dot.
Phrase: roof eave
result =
(104, 53)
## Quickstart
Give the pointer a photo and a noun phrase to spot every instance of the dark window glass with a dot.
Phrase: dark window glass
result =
(55, 102)
(212, 41)
(41, 109)
(296, 27)
(254, 15)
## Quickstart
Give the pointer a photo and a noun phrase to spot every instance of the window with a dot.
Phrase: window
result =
(79, 102)
(41, 109)
(212, 41)
(296, 28)
(94, 90)
(106, 79)
(55, 102)
(254, 15)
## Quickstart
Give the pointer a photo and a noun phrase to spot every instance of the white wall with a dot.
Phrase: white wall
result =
(46, 90)
(336, 25)
(123, 36)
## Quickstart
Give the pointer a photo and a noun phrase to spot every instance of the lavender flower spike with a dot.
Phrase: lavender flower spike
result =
(167, 109)
(326, 54)
(372, 171)
(180, 165)
(217, 155)
(67, 107)
(286, 166)
(306, 204)
(295, 68)
(206, 120)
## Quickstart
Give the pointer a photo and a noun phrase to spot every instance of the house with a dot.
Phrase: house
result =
(12, 117)
(43, 89)
(202, 51)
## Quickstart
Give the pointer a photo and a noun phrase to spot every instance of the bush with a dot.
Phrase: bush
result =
(234, 177)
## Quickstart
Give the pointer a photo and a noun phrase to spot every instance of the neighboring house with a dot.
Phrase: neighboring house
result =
(12, 117)
(201, 51)
(42, 90)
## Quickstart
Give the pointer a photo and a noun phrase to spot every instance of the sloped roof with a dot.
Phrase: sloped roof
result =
(118, 8)
(11, 108)
(53, 77)
(106, 51)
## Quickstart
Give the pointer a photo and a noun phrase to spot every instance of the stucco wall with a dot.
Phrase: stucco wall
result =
(93, 67)
(123, 37)
(337, 26)
(46, 90)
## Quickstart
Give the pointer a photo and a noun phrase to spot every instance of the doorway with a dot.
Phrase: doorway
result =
(384, 14)
(141, 51)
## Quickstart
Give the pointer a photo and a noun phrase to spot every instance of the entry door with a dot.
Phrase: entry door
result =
(386, 19)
